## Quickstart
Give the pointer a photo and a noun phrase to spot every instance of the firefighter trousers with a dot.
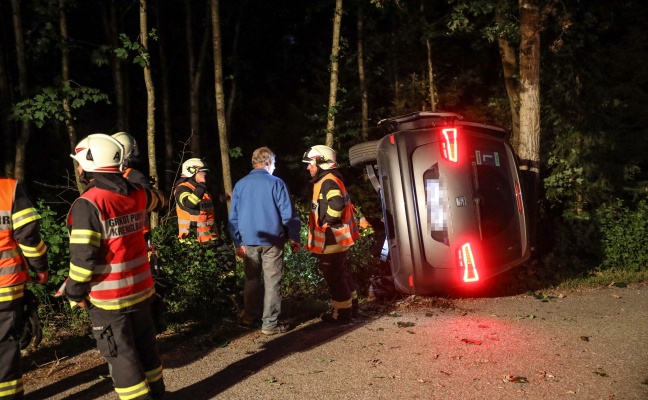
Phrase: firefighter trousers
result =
(336, 272)
(11, 384)
(127, 342)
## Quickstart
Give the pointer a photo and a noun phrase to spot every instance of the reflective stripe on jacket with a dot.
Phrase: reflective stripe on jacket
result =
(13, 270)
(202, 219)
(121, 277)
(344, 236)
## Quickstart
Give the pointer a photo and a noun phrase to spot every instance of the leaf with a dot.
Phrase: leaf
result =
(394, 314)
(402, 324)
(516, 379)
(472, 341)
(272, 379)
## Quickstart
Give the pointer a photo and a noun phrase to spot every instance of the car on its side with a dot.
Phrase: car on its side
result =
(452, 201)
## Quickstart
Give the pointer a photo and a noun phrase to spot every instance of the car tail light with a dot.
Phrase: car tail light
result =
(448, 143)
(467, 262)
(518, 197)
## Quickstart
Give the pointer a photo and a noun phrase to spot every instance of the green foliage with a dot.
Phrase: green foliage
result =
(624, 232)
(48, 105)
(55, 235)
(141, 56)
(202, 277)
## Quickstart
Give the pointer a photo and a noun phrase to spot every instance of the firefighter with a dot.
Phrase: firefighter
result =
(332, 230)
(21, 247)
(131, 160)
(109, 270)
(133, 174)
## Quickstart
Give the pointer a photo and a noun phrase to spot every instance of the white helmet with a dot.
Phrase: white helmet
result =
(129, 143)
(192, 166)
(322, 156)
(99, 153)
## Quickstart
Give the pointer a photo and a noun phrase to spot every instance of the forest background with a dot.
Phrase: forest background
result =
(217, 79)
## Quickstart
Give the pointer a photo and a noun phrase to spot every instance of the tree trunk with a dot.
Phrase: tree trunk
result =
(430, 75)
(150, 105)
(5, 106)
(529, 149)
(166, 106)
(195, 79)
(511, 69)
(220, 101)
(235, 64)
(21, 58)
(335, 53)
(362, 79)
(65, 78)
(112, 35)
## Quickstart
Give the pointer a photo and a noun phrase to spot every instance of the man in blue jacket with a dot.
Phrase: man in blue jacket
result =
(261, 207)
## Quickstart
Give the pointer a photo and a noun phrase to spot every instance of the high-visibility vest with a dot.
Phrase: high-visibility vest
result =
(122, 276)
(13, 269)
(344, 236)
(203, 218)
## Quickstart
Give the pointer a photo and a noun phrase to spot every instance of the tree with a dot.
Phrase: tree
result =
(333, 88)
(21, 59)
(150, 100)
(220, 100)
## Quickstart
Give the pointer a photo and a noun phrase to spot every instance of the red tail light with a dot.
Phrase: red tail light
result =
(518, 197)
(467, 261)
(448, 143)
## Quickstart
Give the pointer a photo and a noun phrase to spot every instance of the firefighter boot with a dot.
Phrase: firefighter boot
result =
(339, 316)
(355, 309)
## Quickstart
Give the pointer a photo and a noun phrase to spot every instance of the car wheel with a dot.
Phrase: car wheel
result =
(363, 153)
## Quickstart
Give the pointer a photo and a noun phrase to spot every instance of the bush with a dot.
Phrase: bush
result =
(624, 233)
(202, 276)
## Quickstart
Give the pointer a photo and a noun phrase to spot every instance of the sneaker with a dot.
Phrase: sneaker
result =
(277, 329)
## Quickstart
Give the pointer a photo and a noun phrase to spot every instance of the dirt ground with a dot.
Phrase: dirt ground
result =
(588, 344)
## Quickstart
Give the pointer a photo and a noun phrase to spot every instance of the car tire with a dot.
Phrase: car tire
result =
(363, 153)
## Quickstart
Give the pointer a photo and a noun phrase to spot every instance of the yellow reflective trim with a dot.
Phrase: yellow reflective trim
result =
(80, 274)
(85, 236)
(12, 292)
(134, 391)
(29, 251)
(333, 213)
(11, 387)
(24, 217)
(123, 302)
(333, 193)
(341, 304)
(154, 375)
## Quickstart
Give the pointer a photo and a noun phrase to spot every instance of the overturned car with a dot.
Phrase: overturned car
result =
(452, 201)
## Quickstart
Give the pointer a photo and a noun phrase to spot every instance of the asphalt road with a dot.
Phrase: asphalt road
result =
(589, 344)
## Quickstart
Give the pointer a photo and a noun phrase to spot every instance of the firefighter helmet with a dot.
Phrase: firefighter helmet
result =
(99, 153)
(192, 166)
(322, 156)
(129, 143)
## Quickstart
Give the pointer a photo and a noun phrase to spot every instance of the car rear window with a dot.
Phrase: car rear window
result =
(492, 186)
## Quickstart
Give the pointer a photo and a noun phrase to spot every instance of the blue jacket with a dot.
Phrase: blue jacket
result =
(261, 207)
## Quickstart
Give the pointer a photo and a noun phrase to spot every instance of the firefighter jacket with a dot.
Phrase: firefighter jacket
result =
(195, 210)
(331, 224)
(136, 176)
(20, 241)
(108, 254)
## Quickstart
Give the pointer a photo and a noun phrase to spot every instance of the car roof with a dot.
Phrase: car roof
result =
(428, 119)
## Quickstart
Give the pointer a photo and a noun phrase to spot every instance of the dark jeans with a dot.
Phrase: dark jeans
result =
(263, 267)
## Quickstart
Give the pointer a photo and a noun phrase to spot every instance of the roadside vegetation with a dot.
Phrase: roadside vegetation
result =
(608, 248)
